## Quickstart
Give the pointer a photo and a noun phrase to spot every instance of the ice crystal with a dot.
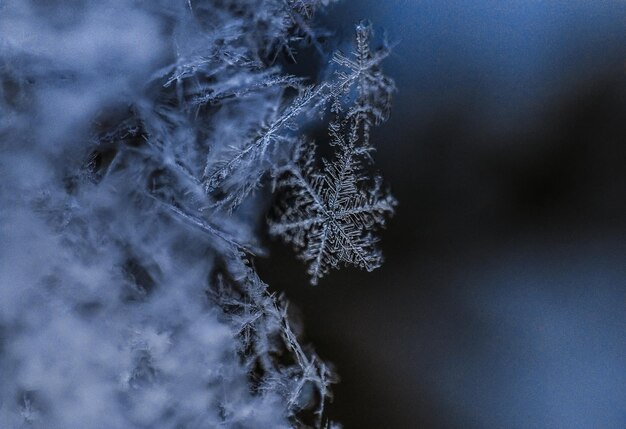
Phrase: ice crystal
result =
(265, 331)
(358, 80)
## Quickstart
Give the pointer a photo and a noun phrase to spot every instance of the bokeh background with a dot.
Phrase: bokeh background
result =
(502, 302)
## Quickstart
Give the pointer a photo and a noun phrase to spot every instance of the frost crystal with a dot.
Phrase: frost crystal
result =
(359, 81)
(264, 331)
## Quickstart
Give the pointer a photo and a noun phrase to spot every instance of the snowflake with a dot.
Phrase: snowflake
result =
(329, 216)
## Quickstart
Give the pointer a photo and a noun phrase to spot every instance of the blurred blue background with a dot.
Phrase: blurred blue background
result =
(502, 303)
